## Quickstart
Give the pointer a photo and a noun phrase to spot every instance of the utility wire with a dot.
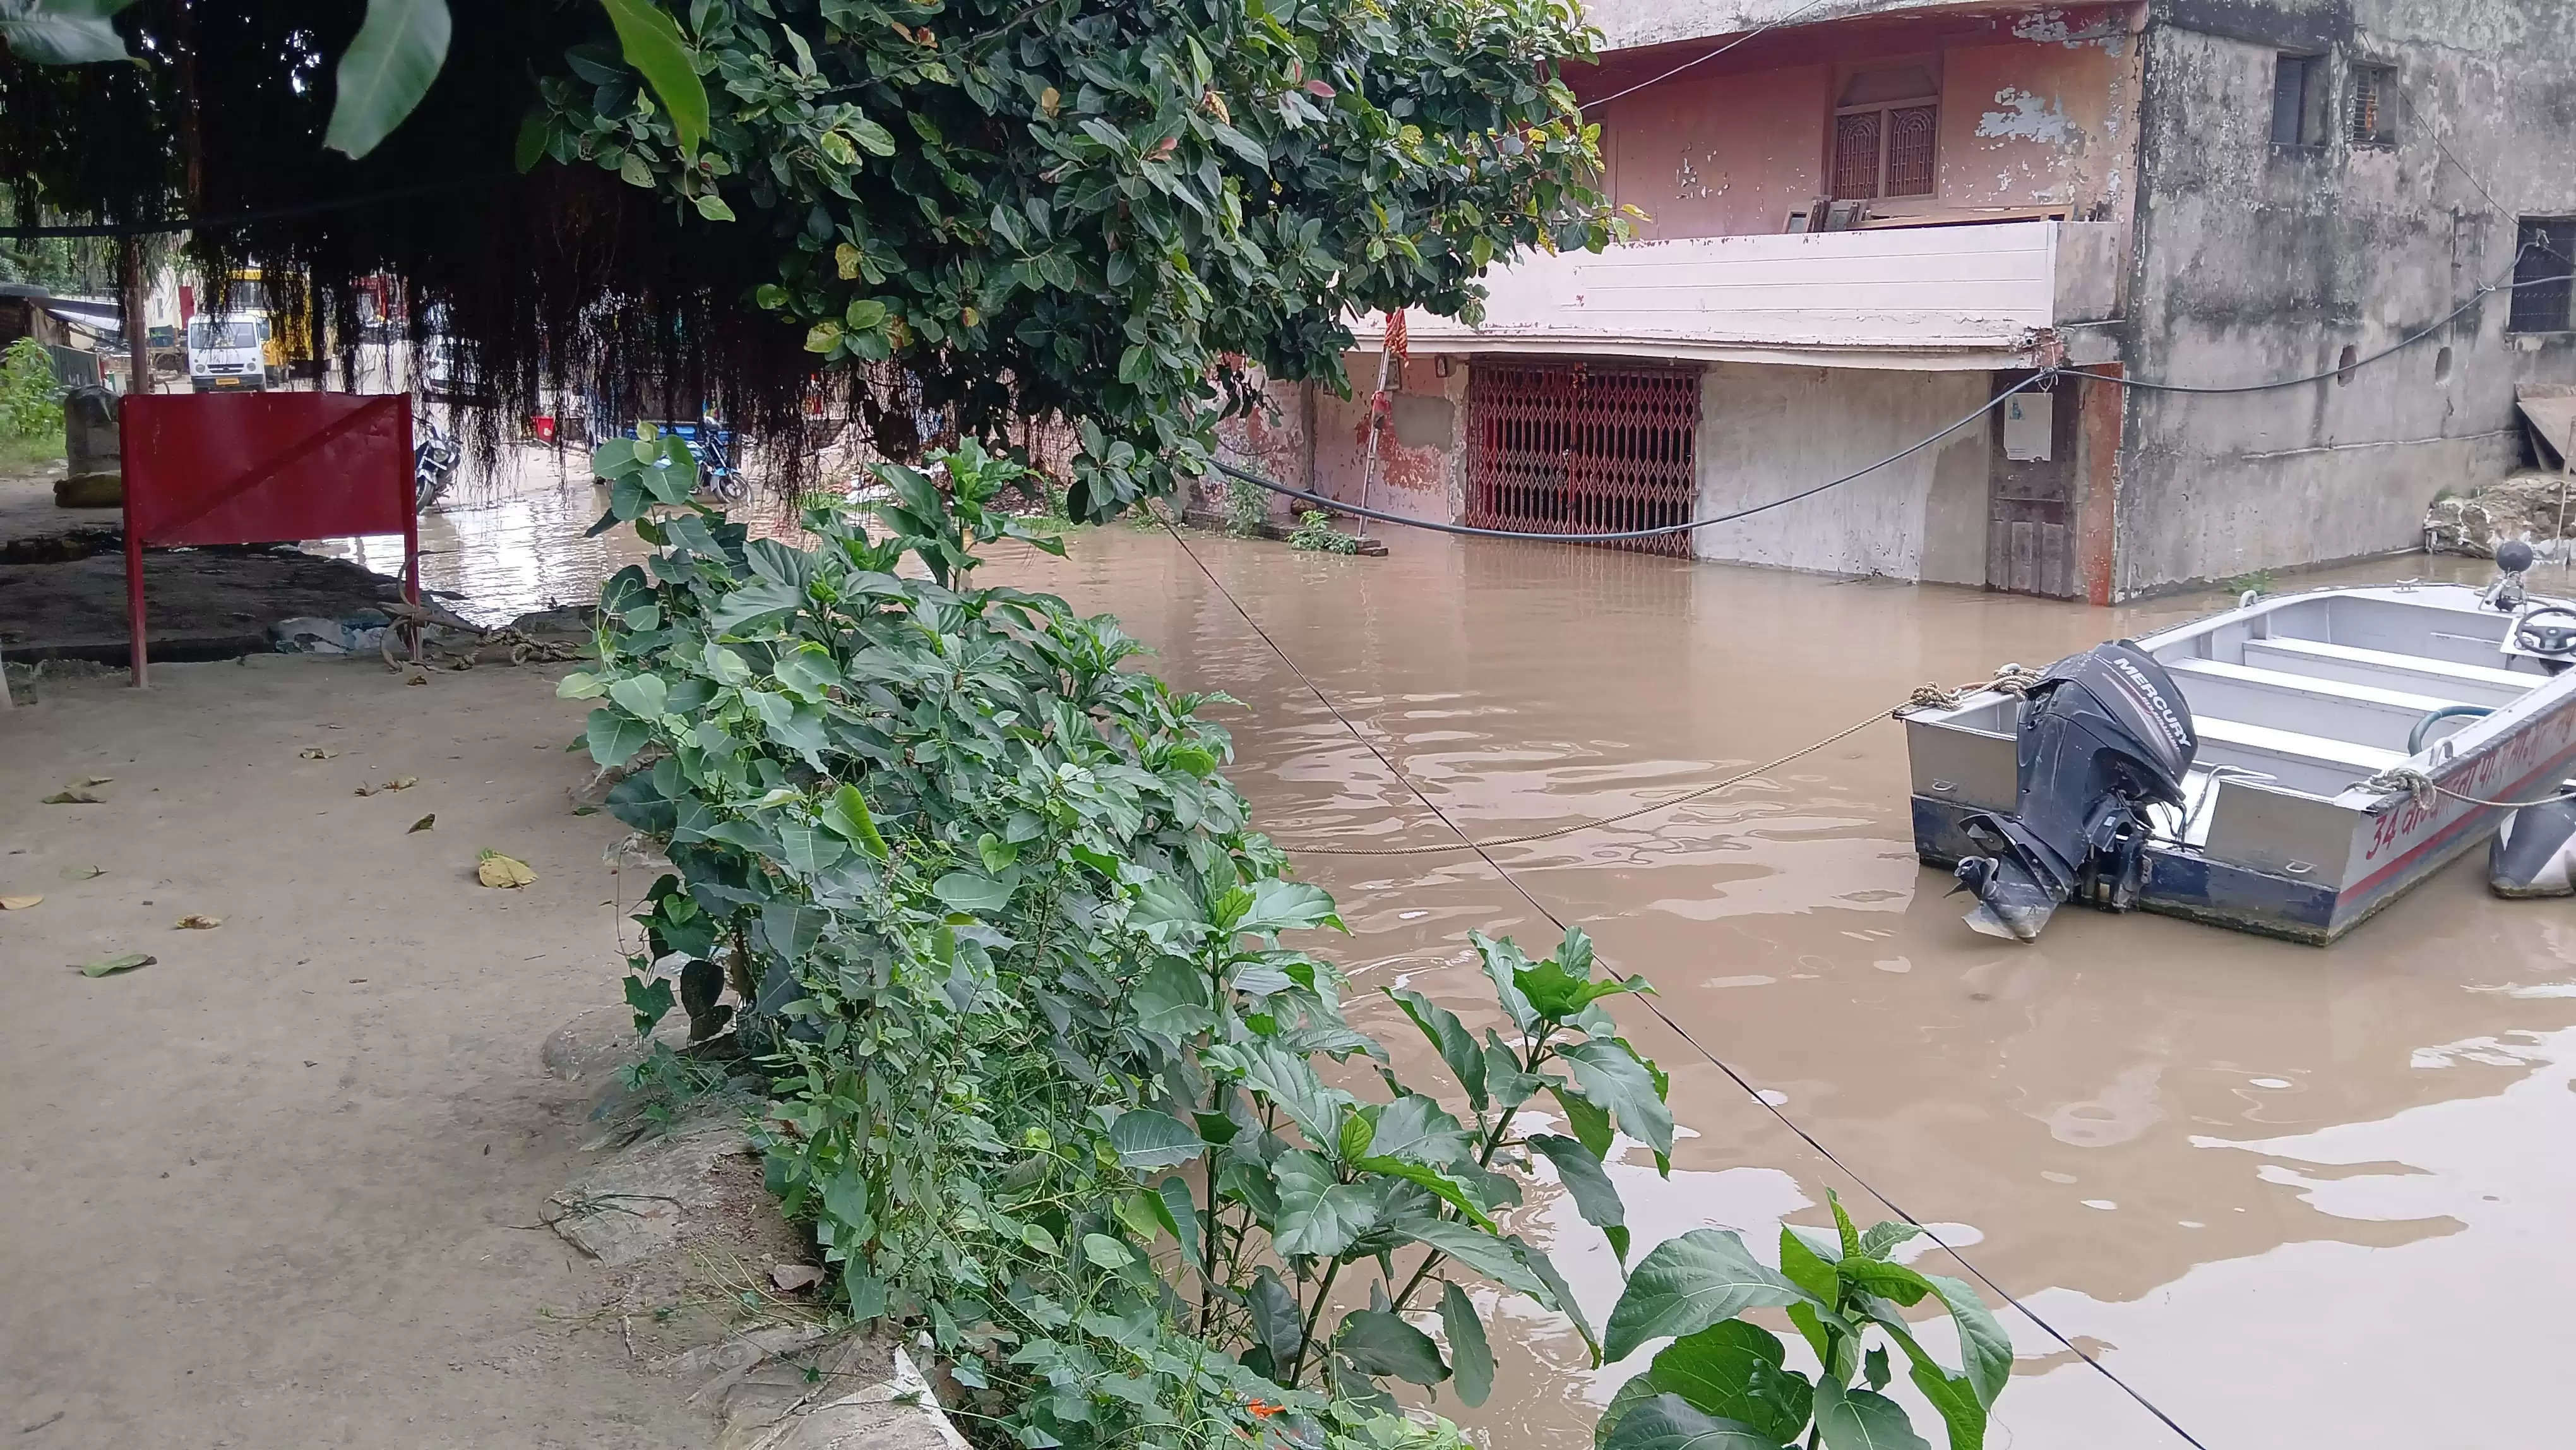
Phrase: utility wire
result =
(1653, 1006)
(2045, 375)
(1705, 59)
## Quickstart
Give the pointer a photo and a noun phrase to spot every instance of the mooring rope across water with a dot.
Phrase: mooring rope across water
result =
(2010, 677)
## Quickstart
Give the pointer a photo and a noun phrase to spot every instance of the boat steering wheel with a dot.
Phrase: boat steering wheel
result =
(2546, 639)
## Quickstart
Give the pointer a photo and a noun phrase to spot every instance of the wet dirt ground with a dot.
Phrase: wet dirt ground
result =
(2287, 1195)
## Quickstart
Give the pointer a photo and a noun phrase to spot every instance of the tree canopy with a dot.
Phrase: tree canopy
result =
(1109, 210)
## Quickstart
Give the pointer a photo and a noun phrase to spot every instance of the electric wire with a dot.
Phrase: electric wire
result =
(1705, 59)
(1651, 1005)
(2044, 375)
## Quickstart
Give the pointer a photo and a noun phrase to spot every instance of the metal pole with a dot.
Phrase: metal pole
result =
(139, 360)
(1368, 470)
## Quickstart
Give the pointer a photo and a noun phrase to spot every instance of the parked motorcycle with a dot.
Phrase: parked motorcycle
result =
(711, 445)
(434, 461)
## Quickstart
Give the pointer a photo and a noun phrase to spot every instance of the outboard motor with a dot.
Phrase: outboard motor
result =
(2534, 854)
(2105, 735)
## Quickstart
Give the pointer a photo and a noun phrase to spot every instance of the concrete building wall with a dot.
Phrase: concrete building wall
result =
(2037, 111)
(2257, 262)
(1765, 432)
(1421, 458)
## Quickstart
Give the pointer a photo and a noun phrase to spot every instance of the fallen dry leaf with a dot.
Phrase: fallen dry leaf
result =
(402, 782)
(315, 752)
(83, 873)
(791, 1277)
(424, 823)
(94, 780)
(494, 869)
(110, 966)
(200, 923)
(74, 798)
(364, 790)
(19, 903)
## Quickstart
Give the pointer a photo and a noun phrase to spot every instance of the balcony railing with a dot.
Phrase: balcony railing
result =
(1977, 295)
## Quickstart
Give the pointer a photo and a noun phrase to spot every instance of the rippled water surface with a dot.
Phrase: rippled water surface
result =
(2292, 1196)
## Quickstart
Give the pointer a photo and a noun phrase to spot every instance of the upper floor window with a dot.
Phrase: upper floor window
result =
(1885, 134)
(2299, 97)
(2542, 275)
(2372, 116)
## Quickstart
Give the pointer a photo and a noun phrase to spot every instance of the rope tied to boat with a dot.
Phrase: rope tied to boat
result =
(2012, 679)
(2421, 789)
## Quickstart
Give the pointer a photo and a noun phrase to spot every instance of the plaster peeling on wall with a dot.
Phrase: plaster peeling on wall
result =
(2051, 27)
(1686, 182)
(2029, 119)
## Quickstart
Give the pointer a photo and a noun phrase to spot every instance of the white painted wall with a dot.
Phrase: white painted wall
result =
(1766, 432)
(1939, 297)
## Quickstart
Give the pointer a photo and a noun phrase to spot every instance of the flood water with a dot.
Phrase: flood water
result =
(2292, 1196)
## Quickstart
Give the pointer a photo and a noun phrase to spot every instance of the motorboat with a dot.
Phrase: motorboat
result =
(2289, 767)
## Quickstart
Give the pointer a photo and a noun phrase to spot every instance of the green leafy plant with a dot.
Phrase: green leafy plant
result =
(1723, 1383)
(31, 398)
(1315, 534)
(1046, 1074)
(1247, 508)
(1114, 212)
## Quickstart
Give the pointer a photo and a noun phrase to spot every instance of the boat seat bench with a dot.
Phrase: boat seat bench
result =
(2316, 659)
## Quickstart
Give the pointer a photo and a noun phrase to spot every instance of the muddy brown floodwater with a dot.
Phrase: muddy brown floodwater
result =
(2291, 1196)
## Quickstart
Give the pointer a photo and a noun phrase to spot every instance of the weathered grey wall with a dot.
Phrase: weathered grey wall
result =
(1765, 432)
(2255, 263)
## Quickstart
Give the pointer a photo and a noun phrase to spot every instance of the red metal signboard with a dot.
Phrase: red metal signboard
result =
(263, 468)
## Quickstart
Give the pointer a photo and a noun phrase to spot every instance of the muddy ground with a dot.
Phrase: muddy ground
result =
(288, 1185)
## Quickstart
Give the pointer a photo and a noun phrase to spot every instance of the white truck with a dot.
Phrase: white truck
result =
(227, 353)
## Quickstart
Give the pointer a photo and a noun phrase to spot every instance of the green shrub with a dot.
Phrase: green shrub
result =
(1046, 1079)
(1315, 534)
(31, 398)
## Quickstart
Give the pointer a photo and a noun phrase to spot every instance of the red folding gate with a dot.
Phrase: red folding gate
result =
(1569, 448)
(263, 468)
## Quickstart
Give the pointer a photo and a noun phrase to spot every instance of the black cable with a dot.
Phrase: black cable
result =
(1653, 1006)
(1472, 531)
(245, 218)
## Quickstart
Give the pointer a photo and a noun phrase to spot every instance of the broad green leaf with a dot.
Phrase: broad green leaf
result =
(1612, 1077)
(1106, 1252)
(969, 891)
(1414, 1129)
(808, 671)
(1689, 1283)
(1987, 1349)
(1279, 906)
(1585, 1180)
(615, 738)
(1275, 1321)
(1883, 1239)
(1862, 1420)
(1888, 1281)
(806, 851)
(1667, 1422)
(1639, 1389)
(1471, 1359)
(1591, 1123)
(1951, 1394)
(1317, 1215)
(385, 71)
(1807, 1268)
(640, 695)
(1557, 995)
(1503, 965)
(1507, 1262)
(1378, 1342)
(1146, 1138)
(653, 45)
(1290, 1081)
(1735, 1371)
(1450, 1188)
(579, 685)
(1171, 1000)
(846, 815)
(1456, 1045)
(758, 600)
(652, 1001)
(1845, 1234)
(63, 32)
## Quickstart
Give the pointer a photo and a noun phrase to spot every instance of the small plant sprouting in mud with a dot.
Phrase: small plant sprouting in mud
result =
(1316, 535)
